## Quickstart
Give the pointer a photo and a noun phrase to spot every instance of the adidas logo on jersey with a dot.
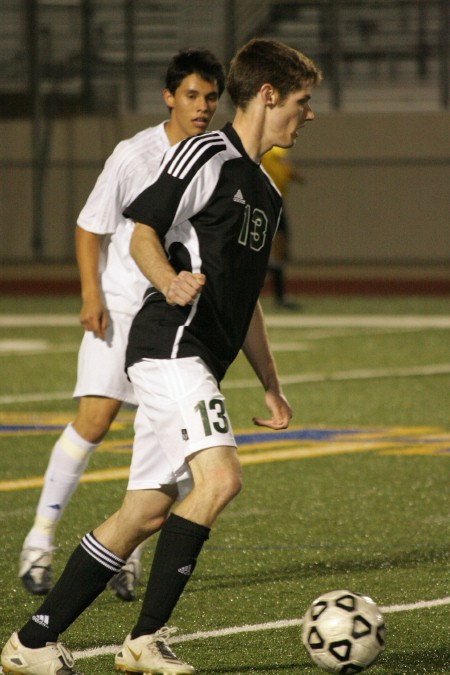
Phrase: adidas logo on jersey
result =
(42, 619)
(186, 570)
(239, 197)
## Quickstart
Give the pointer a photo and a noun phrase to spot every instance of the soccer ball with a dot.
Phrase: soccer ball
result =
(343, 632)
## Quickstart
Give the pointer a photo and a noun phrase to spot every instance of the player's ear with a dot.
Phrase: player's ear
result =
(269, 95)
(168, 98)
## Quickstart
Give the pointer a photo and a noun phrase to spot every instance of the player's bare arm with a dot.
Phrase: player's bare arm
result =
(149, 255)
(258, 353)
(93, 315)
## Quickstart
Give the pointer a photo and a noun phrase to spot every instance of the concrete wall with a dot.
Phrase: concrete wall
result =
(377, 189)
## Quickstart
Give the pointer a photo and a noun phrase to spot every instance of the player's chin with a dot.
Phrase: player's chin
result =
(199, 127)
(288, 142)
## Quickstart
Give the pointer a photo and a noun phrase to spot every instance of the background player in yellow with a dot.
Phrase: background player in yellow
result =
(282, 171)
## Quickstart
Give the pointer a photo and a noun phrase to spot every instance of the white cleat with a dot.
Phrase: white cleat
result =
(35, 570)
(124, 583)
(151, 655)
(54, 659)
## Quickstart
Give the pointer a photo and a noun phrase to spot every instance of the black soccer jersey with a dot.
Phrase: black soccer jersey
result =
(216, 212)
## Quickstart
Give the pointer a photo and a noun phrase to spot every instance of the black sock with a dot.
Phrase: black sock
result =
(179, 544)
(84, 577)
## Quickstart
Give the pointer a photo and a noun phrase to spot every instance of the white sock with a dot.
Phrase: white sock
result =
(69, 458)
(137, 553)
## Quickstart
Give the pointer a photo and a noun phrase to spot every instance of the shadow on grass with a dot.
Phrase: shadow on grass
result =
(417, 661)
(284, 667)
(406, 559)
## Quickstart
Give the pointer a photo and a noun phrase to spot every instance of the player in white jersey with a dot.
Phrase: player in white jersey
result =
(112, 288)
(204, 246)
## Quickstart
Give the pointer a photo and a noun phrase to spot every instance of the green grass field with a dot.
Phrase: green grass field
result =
(354, 495)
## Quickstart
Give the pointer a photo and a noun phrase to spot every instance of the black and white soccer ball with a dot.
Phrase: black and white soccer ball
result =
(343, 632)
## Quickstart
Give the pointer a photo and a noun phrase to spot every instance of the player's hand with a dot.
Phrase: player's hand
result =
(93, 317)
(280, 410)
(185, 288)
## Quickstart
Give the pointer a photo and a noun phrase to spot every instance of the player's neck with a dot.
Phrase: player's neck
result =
(249, 125)
(173, 132)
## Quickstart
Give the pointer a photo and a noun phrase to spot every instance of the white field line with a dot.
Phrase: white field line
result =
(38, 320)
(36, 398)
(36, 347)
(12, 347)
(289, 346)
(298, 321)
(19, 346)
(307, 378)
(254, 628)
(357, 321)
(343, 375)
(39, 347)
(272, 320)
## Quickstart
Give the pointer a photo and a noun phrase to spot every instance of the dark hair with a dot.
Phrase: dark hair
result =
(263, 61)
(200, 61)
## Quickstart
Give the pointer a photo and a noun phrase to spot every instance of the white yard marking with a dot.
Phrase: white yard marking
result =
(11, 346)
(306, 378)
(330, 322)
(357, 321)
(344, 375)
(34, 320)
(289, 346)
(30, 347)
(272, 320)
(253, 628)
(36, 398)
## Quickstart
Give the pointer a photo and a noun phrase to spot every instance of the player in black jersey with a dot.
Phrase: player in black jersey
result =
(202, 237)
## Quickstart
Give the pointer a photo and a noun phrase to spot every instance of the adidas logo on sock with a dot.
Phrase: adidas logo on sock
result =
(239, 197)
(187, 569)
(42, 619)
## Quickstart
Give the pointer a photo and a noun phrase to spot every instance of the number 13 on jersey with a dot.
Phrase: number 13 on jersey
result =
(254, 228)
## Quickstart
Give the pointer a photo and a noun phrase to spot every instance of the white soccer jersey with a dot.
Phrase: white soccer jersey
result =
(130, 169)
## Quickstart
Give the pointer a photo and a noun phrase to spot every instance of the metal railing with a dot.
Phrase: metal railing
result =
(101, 52)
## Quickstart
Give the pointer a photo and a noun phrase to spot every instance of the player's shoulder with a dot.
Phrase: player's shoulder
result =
(201, 143)
(150, 140)
(193, 153)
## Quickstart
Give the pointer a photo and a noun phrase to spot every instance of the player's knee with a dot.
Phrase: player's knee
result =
(233, 484)
(139, 526)
(93, 424)
(225, 484)
(154, 524)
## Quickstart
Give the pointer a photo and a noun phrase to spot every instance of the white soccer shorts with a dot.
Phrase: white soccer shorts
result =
(180, 401)
(101, 363)
(150, 468)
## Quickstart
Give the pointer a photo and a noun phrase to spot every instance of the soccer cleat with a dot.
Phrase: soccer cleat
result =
(54, 659)
(124, 583)
(35, 570)
(151, 655)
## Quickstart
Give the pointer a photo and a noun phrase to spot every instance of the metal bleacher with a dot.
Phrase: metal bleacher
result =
(376, 38)
(12, 48)
(103, 51)
(110, 43)
(372, 48)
